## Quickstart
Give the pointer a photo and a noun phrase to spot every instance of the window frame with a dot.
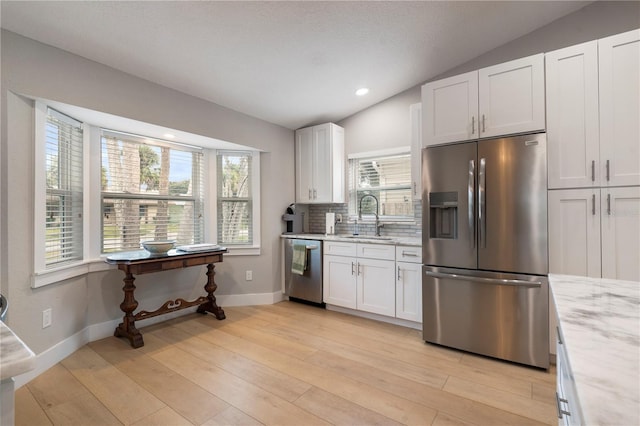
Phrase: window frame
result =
(369, 217)
(235, 249)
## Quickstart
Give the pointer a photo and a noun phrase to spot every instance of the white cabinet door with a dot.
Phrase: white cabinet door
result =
(376, 286)
(339, 281)
(620, 108)
(574, 232)
(409, 291)
(621, 233)
(450, 109)
(572, 116)
(415, 113)
(304, 165)
(511, 97)
(320, 167)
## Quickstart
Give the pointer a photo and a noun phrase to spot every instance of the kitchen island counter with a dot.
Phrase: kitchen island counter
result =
(600, 324)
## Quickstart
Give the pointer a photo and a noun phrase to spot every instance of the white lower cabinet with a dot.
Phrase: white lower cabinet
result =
(375, 289)
(367, 277)
(409, 283)
(567, 404)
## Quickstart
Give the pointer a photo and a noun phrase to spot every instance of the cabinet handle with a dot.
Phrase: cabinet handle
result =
(560, 410)
(609, 204)
(608, 169)
(353, 265)
(409, 254)
(593, 204)
(415, 188)
(398, 273)
(359, 269)
(484, 129)
(593, 170)
(473, 124)
(315, 194)
(310, 194)
(558, 335)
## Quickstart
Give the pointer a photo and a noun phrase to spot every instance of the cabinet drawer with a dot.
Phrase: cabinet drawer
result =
(339, 248)
(377, 251)
(410, 254)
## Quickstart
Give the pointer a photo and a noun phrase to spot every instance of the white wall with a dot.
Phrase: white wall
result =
(386, 124)
(32, 69)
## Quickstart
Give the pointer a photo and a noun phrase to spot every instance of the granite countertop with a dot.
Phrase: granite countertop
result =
(600, 322)
(16, 357)
(369, 239)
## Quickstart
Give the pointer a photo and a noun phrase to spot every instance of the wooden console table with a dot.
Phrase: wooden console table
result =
(142, 262)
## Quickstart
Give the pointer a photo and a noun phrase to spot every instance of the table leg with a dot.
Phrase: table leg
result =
(211, 286)
(127, 328)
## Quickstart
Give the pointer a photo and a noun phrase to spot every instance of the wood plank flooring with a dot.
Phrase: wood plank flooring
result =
(283, 364)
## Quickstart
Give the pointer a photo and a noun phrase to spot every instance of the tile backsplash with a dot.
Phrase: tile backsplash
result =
(317, 222)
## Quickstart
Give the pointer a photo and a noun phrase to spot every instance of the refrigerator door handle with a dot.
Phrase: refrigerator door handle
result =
(518, 283)
(470, 195)
(482, 204)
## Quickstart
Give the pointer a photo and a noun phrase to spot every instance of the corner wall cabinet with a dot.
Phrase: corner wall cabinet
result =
(499, 100)
(320, 166)
(415, 118)
(593, 105)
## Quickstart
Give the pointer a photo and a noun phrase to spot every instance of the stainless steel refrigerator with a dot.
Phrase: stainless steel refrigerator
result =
(484, 251)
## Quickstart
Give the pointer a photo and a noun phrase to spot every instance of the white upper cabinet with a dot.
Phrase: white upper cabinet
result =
(450, 109)
(320, 167)
(415, 115)
(619, 72)
(573, 135)
(512, 97)
(503, 99)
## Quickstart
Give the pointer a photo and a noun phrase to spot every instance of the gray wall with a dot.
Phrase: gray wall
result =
(37, 70)
(386, 125)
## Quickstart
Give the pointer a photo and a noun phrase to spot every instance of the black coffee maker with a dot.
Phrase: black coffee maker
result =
(293, 220)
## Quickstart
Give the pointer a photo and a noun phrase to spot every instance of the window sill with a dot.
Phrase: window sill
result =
(243, 251)
(52, 276)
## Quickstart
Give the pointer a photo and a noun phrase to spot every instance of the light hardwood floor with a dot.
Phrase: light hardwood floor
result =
(284, 364)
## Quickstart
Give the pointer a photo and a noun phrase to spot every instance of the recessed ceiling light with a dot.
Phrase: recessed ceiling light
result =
(169, 135)
(362, 91)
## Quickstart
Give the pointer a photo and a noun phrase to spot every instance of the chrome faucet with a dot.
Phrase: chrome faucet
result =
(378, 225)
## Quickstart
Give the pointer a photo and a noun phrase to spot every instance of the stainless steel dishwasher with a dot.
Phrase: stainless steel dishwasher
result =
(306, 287)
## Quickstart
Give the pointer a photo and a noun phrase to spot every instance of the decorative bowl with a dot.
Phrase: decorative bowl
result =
(158, 247)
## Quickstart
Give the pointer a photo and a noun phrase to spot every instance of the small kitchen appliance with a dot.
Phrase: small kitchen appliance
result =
(294, 220)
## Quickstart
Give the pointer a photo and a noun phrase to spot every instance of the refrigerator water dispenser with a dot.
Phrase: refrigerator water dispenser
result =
(443, 211)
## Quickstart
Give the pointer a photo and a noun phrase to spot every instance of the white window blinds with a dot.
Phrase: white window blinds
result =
(151, 190)
(388, 178)
(63, 161)
(234, 198)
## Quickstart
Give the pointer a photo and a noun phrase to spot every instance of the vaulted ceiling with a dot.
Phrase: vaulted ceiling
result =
(289, 63)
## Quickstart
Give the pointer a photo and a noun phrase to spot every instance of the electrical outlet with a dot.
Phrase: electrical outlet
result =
(46, 318)
(338, 218)
(249, 275)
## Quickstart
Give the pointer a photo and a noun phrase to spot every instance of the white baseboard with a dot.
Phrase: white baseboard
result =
(382, 318)
(50, 357)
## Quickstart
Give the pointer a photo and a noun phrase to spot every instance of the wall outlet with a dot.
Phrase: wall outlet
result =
(248, 275)
(46, 318)
(338, 218)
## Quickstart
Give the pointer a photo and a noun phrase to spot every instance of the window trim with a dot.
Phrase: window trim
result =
(211, 226)
(370, 218)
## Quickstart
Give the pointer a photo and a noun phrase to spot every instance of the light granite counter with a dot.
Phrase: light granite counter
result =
(15, 357)
(386, 239)
(600, 323)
